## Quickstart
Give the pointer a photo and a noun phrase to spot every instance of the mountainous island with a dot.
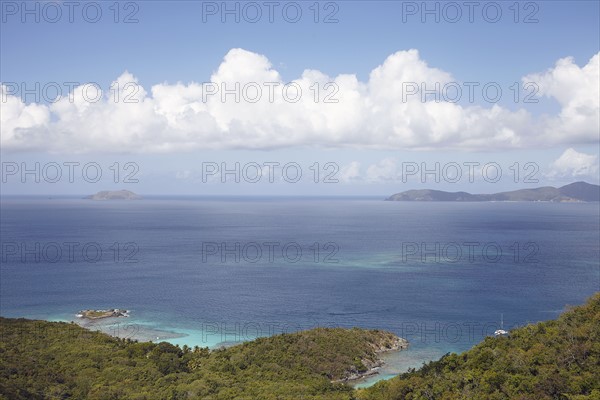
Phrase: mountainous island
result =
(557, 359)
(574, 192)
(114, 195)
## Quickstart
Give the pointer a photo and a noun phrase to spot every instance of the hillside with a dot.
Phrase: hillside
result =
(40, 360)
(578, 191)
(557, 359)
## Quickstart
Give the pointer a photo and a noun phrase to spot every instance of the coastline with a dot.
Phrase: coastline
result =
(394, 361)
(373, 367)
(145, 331)
(114, 326)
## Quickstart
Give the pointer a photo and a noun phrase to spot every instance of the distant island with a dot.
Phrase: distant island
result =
(99, 314)
(114, 195)
(574, 192)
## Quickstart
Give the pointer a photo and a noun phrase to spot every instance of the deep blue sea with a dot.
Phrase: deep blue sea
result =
(208, 271)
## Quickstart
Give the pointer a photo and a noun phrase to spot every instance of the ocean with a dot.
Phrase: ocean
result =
(212, 271)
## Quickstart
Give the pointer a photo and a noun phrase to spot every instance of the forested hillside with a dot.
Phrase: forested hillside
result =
(57, 360)
(558, 359)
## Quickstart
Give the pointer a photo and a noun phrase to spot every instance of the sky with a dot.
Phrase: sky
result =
(297, 98)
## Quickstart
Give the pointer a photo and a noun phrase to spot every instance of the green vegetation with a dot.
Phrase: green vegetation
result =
(94, 314)
(58, 360)
(550, 360)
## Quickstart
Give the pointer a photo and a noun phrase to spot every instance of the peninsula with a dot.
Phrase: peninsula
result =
(574, 192)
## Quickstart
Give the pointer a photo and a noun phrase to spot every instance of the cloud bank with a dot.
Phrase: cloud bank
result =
(247, 105)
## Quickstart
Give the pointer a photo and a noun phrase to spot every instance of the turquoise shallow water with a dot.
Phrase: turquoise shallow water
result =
(365, 263)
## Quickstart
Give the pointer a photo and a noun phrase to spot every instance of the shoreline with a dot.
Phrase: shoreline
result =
(132, 330)
(373, 367)
(115, 327)
(148, 331)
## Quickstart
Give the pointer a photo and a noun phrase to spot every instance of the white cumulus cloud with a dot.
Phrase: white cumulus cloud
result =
(246, 104)
(574, 165)
(577, 90)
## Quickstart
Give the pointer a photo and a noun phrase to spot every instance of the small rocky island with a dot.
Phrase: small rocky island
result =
(114, 195)
(99, 314)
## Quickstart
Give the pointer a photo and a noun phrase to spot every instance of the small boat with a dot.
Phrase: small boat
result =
(501, 331)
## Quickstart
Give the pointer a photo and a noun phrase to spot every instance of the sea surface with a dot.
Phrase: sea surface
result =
(213, 271)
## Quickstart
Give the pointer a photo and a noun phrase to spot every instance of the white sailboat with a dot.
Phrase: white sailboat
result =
(501, 331)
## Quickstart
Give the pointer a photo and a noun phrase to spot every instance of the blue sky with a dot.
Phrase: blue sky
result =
(172, 44)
